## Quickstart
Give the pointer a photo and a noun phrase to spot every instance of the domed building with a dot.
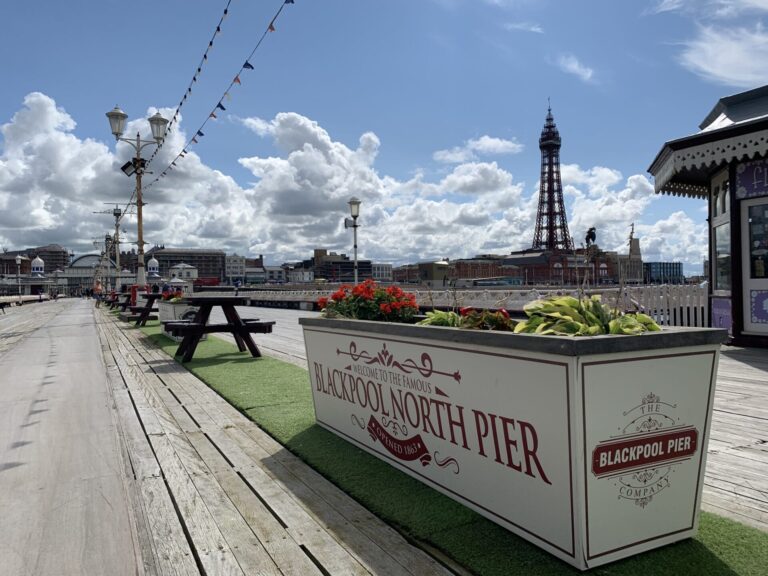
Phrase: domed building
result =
(38, 268)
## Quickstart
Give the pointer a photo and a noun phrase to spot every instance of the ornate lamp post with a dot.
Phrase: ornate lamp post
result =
(158, 124)
(354, 210)
(18, 275)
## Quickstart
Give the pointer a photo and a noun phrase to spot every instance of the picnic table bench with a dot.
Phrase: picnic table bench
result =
(241, 328)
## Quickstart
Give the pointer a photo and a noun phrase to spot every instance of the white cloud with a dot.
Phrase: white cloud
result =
(569, 64)
(730, 56)
(524, 27)
(710, 9)
(485, 145)
(51, 181)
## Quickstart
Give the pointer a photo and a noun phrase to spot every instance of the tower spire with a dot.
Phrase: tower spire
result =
(551, 224)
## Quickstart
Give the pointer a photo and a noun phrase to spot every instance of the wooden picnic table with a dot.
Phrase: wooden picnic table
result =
(193, 330)
(125, 303)
(145, 310)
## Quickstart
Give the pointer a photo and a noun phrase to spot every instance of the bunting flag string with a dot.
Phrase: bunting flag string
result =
(226, 95)
(196, 75)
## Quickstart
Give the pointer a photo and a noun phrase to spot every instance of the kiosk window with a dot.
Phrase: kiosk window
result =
(758, 240)
(722, 267)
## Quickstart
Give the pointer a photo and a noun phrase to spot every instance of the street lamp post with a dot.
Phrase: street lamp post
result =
(354, 210)
(107, 250)
(18, 276)
(158, 124)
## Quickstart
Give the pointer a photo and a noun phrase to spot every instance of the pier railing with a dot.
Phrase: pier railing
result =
(670, 305)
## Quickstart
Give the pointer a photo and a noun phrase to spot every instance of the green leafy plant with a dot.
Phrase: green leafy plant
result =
(569, 316)
(369, 301)
(470, 318)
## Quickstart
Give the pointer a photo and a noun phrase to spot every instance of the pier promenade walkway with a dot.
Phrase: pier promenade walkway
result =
(116, 460)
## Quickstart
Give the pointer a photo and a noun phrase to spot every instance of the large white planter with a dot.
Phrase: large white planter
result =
(592, 448)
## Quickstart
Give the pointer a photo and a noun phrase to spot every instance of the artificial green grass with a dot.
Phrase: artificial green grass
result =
(277, 396)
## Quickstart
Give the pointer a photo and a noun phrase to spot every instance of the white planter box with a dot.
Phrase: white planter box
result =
(592, 448)
(169, 311)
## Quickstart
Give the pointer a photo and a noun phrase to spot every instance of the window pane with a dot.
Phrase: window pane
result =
(722, 267)
(758, 240)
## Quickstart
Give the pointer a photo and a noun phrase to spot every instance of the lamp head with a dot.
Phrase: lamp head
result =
(18, 260)
(354, 206)
(158, 125)
(117, 120)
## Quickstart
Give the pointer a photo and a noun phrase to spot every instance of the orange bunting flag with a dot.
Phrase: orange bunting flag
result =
(237, 79)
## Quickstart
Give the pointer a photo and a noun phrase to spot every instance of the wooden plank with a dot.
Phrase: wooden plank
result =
(285, 551)
(212, 549)
(172, 551)
(247, 549)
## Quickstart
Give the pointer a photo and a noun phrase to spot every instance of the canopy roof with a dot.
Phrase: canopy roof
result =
(735, 129)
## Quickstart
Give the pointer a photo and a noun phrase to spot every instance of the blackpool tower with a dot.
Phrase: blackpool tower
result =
(551, 225)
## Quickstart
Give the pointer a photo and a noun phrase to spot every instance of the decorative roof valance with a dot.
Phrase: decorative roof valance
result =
(684, 167)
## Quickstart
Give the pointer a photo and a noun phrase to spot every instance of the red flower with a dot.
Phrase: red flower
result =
(386, 307)
(466, 310)
(504, 313)
(322, 302)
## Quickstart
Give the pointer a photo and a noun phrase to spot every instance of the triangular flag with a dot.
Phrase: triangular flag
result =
(247, 65)
(200, 134)
(289, 1)
(194, 140)
(227, 96)
(218, 29)
(237, 79)
(173, 163)
(272, 26)
(213, 115)
(220, 106)
(205, 57)
(194, 78)
(226, 11)
(199, 71)
(210, 44)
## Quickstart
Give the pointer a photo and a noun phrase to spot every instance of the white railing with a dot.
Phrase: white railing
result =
(669, 305)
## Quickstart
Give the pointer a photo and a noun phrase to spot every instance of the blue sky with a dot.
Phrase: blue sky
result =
(429, 111)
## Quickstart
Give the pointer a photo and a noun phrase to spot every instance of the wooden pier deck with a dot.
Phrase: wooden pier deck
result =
(213, 494)
(736, 482)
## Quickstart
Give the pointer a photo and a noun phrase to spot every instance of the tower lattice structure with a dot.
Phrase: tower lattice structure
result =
(551, 224)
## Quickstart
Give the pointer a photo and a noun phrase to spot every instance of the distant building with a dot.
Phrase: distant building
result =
(381, 272)
(210, 264)
(300, 275)
(435, 274)
(335, 267)
(406, 274)
(664, 273)
(183, 271)
(234, 268)
(56, 257)
(275, 274)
